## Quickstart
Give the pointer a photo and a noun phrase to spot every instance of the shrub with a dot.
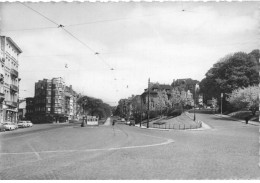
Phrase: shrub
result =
(174, 112)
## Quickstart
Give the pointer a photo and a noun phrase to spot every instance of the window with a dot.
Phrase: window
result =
(48, 109)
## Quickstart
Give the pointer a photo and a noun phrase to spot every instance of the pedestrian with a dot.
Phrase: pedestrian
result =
(247, 118)
(113, 123)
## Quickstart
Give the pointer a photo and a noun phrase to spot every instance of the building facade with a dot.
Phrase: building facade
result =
(9, 80)
(29, 108)
(70, 102)
(53, 101)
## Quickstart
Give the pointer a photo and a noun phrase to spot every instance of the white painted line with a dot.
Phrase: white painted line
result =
(34, 151)
(168, 141)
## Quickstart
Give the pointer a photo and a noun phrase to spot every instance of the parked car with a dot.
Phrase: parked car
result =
(22, 124)
(122, 120)
(132, 122)
(9, 126)
(29, 123)
(15, 125)
(2, 127)
(127, 122)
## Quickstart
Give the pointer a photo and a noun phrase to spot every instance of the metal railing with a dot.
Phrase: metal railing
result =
(14, 72)
(177, 126)
(14, 88)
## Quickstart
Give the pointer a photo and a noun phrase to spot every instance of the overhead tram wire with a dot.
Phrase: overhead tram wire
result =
(62, 27)
(29, 29)
(85, 23)
(39, 13)
(95, 53)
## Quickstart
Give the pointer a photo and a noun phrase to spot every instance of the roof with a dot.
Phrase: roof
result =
(166, 87)
(14, 44)
(187, 81)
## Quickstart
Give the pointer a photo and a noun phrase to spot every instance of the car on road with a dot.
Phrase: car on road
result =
(29, 123)
(9, 126)
(22, 124)
(2, 127)
(15, 125)
(127, 122)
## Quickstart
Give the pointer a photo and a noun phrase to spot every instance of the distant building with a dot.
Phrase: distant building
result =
(53, 101)
(70, 102)
(29, 108)
(153, 95)
(185, 84)
(9, 79)
(22, 109)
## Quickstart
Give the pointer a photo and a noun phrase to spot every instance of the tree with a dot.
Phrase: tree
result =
(92, 106)
(162, 102)
(245, 98)
(230, 73)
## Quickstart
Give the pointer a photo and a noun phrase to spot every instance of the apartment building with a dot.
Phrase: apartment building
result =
(9, 80)
(29, 108)
(53, 101)
(70, 102)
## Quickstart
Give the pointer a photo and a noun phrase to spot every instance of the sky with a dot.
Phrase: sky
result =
(160, 41)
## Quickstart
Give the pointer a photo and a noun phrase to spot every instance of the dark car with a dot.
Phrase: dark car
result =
(132, 122)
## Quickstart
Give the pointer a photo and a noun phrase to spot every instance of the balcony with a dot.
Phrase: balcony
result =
(2, 96)
(11, 103)
(13, 88)
(1, 78)
(14, 73)
(2, 60)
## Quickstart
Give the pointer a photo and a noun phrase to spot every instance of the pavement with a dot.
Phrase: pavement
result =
(107, 122)
(236, 119)
(229, 150)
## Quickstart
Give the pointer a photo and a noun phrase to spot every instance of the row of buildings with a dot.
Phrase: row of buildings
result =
(53, 102)
(9, 79)
(161, 97)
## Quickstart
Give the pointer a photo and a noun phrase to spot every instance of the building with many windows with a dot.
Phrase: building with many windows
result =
(53, 101)
(29, 108)
(9, 79)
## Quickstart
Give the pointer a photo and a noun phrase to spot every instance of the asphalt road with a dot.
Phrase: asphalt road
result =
(229, 150)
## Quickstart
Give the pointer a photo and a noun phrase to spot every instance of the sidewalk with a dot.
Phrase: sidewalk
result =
(107, 123)
(236, 119)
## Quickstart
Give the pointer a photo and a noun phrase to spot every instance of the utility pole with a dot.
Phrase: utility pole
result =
(194, 103)
(221, 102)
(141, 112)
(148, 103)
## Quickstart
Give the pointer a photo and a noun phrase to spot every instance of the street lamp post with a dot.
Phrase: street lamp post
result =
(141, 113)
(194, 105)
(196, 86)
(148, 103)
(221, 97)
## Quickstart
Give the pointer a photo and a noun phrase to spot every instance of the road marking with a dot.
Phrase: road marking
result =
(34, 151)
(168, 141)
